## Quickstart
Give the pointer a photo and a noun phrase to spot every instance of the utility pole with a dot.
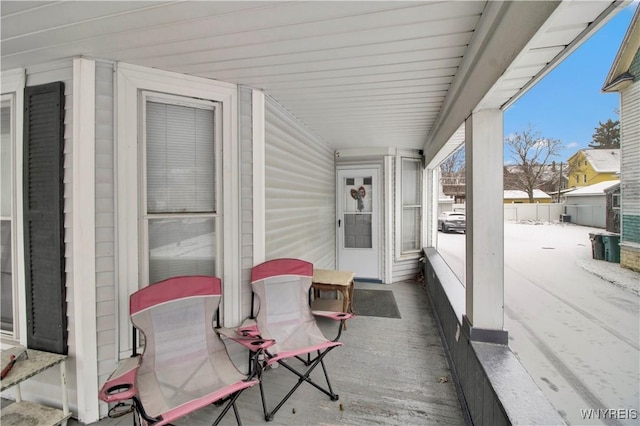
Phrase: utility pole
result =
(559, 182)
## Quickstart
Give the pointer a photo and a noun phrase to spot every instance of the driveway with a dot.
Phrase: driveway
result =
(573, 321)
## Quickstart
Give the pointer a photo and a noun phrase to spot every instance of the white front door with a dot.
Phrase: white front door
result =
(358, 207)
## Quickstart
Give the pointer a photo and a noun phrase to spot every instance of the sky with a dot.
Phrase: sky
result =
(568, 104)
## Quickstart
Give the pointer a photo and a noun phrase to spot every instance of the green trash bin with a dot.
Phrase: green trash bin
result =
(597, 246)
(611, 247)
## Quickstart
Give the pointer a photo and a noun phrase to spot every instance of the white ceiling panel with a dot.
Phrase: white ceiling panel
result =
(358, 73)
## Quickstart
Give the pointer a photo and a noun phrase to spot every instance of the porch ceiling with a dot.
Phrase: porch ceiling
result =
(359, 74)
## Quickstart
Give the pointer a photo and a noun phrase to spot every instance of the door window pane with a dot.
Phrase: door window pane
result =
(358, 195)
(358, 208)
(358, 231)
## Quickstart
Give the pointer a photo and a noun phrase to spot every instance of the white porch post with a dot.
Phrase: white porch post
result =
(84, 240)
(258, 135)
(431, 195)
(485, 227)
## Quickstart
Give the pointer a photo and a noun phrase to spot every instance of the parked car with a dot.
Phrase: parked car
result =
(452, 221)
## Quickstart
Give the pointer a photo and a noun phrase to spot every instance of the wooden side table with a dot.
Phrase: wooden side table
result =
(24, 412)
(330, 280)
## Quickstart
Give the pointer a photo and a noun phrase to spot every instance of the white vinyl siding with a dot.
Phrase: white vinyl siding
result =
(630, 149)
(106, 320)
(299, 191)
(246, 195)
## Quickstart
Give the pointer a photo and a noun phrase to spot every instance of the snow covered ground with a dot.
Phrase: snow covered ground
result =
(573, 321)
(558, 234)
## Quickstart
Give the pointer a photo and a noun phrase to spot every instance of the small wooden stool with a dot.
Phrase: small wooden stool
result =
(330, 280)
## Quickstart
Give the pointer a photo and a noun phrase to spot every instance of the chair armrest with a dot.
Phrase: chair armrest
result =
(337, 316)
(121, 384)
(252, 343)
(249, 327)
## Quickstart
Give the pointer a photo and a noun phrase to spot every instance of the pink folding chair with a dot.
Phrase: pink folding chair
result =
(184, 365)
(282, 289)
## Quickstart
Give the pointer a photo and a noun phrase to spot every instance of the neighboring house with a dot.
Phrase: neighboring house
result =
(588, 205)
(454, 185)
(514, 196)
(624, 78)
(591, 166)
(613, 208)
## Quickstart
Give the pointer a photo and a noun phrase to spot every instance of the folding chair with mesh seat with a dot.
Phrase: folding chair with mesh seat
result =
(184, 365)
(282, 289)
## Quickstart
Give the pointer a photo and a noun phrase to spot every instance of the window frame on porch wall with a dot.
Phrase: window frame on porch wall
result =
(130, 80)
(400, 254)
(13, 84)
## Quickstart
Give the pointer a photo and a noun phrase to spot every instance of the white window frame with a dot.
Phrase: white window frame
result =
(145, 215)
(615, 201)
(410, 254)
(12, 86)
(131, 80)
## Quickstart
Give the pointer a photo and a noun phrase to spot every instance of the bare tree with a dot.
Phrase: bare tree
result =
(452, 176)
(531, 155)
(454, 164)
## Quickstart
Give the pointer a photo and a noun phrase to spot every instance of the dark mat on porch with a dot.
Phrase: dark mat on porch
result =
(375, 303)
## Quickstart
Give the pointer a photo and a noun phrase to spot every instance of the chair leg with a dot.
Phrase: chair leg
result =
(235, 411)
(268, 416)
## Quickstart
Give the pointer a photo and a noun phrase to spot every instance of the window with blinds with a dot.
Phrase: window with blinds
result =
(181, 211)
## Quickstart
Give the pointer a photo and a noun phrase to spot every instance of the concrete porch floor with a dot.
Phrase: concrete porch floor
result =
(389, 372)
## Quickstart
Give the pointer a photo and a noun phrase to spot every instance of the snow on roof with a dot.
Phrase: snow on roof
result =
(513, 194)
(595, 189)
(604, 160)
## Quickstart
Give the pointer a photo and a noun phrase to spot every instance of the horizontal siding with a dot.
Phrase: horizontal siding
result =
(630, 146)
(406, 270)
(105, 225)
(299, 190)
(246, 191)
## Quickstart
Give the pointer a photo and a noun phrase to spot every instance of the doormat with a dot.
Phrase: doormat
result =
(375, 303)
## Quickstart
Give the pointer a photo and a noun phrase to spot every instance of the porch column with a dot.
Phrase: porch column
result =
(484, 317)
(430, 178)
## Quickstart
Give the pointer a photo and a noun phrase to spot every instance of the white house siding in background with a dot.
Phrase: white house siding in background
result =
(299, 190)
(630, 171)
(630, 129)
(624, 78)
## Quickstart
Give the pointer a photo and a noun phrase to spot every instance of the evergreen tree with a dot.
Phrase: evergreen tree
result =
(606, 135)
